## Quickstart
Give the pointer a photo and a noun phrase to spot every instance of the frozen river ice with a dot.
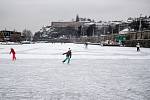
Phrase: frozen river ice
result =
(95, 73)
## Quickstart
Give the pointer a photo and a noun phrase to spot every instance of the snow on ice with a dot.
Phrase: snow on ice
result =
(94, 73)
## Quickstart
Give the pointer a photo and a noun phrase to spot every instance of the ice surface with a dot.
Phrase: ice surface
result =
(95, 73)
(54, 51)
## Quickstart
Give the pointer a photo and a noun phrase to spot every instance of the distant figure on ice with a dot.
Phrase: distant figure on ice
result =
(138, 47)
(86, 44)
(13, 54)
(68, 56)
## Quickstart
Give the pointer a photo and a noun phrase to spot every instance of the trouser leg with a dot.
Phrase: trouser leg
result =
(14, 57)
(65, 59)
(68, 60)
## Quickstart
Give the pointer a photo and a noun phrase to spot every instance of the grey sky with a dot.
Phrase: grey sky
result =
(33, 14)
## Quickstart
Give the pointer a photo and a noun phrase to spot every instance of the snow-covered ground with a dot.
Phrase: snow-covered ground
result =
(95, 73)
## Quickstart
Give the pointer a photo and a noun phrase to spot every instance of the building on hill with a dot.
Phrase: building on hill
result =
(66, 24)
(67, 29)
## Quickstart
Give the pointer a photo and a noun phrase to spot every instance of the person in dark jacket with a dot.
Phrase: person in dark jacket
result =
(86, 44)
(68, 56)
(13, 54)
(138, 47)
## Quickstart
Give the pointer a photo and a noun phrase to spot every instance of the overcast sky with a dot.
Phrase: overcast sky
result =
(33, 14)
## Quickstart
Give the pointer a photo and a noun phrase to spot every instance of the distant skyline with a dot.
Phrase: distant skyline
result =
(33, 14)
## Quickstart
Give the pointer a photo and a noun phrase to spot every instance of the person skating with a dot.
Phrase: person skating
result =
(12, 51)
(86, 44)
(68, 56)
(138, 47)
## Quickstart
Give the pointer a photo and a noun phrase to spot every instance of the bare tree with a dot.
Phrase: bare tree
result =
(27, 34)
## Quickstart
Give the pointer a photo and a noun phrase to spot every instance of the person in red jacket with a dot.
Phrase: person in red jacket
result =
(13, 54)
(68, 56)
